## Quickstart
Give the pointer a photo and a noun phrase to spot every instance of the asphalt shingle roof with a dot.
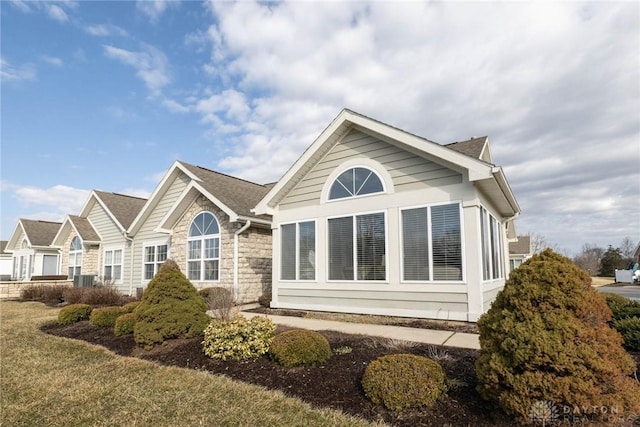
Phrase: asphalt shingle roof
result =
(471, 147)
(85, 229)
(125, 208)
(238, 194)
(40, 233)
(522, 246)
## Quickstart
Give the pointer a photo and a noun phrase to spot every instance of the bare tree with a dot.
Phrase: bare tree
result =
(627, 247)
(589, 259)
(538, 243)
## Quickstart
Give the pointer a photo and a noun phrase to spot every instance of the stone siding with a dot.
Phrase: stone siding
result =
(11, 290)
(254, 264)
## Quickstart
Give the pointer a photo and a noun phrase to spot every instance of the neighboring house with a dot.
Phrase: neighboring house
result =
(202, 219)
(372, 219)
(6, 264)
(519, 251)
(31, 250)
(95, 242)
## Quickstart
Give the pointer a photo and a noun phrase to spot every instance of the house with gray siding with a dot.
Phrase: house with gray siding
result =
(372, 219)
(30, 246)
(202, 219)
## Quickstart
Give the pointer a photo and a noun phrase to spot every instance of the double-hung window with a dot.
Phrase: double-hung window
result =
(154, 257)
(357, 247)
(203, 251)
(75, 257)
(492, 246)
(113, 264)
(432, 243)
(298, 249)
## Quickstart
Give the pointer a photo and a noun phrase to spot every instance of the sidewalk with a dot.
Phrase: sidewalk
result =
(426, 336)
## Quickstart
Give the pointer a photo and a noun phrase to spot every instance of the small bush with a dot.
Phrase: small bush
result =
(124, 324)
(131, 306)
(49, 294)
(299, 347)
(238, 339)
(220, 301)
(629, 328)
(265, 299)
(400, 381)
(622, 307)
(98, 296)
(74, 313)
(170, 308)
(105, 316)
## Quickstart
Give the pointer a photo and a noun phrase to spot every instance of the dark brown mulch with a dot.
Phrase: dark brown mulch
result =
(334, 384)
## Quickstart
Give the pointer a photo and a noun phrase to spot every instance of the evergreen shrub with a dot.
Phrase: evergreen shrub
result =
(547, 337)
(74, 313)
(105, 316)
(401, 381)
(300, 347)
(170, 308)
(124, 324)
(238, 338)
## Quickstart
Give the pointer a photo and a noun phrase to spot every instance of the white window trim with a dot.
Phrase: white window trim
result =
(202, 249)
(154, 243)
(502, 273)
(75, 257)
(429, 231)
(112, 249)
(372, 165)
(315, 270)
(355, 247)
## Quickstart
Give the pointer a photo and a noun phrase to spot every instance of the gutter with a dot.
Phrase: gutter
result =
(124, 234)
(236, 256)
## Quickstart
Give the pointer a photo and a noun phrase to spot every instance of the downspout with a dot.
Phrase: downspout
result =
(124, 234)
(236, 256)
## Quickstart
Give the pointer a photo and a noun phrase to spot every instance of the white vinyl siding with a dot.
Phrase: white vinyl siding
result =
(357, 247)
(492, 247)
(432, 243)
(298, 249)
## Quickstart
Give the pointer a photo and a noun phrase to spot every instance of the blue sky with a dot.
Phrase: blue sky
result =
(106, 95)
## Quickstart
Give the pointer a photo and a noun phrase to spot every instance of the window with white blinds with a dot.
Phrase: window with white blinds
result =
(357, 247)
(492, 246)
(432, 243)
(298, 251)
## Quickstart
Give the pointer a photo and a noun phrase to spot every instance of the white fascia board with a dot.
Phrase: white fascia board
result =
(86, 208)
(163, 225)
(502, 182)
(153, 199)
(60, 232)
(254, 221)
(233, 217)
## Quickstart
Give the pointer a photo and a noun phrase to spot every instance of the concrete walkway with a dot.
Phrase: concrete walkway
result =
(427, 336)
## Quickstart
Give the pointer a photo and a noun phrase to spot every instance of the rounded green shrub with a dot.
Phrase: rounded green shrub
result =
(74, 313)
(401, 381)
(622, 307)
(238, 339)
(629, 328)
(170, 308)
(105, 316)
(131, 306)
(124, 324)
(299, 347)
(547, 337)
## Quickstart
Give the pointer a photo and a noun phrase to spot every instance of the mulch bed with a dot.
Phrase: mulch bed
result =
(334, 384)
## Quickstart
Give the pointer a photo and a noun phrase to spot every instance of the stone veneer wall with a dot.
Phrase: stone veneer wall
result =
(90, 257)
(254, 268)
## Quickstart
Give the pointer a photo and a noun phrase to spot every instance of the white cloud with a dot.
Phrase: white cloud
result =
(57, 13)
(150, 63)
(11, 73)
(52, 60)
(105, 30)
(174, 106)
(136, 192)
(21, 5)
(59, 199)
(153, 9)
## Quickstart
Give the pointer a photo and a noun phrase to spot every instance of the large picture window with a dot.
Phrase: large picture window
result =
(154, 257)
(431, 243)
(492, 246)
(298, 249)
(357, 247)
(113, 264)
(356, 181)
(203, 252)
(75, 257)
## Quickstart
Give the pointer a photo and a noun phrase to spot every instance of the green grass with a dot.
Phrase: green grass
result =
(53, 381)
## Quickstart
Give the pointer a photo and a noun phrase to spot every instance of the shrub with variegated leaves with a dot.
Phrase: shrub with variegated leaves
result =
(238, 338)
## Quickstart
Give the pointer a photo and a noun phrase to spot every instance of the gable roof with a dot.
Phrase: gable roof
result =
(522, 246)
(121, 208)
(235, 196)
(84, 229)
(466, 157)
(3, 245)
(38, 233)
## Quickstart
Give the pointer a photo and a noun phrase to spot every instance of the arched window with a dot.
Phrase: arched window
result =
(203, 254)
(75, 257)
(357, 181)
